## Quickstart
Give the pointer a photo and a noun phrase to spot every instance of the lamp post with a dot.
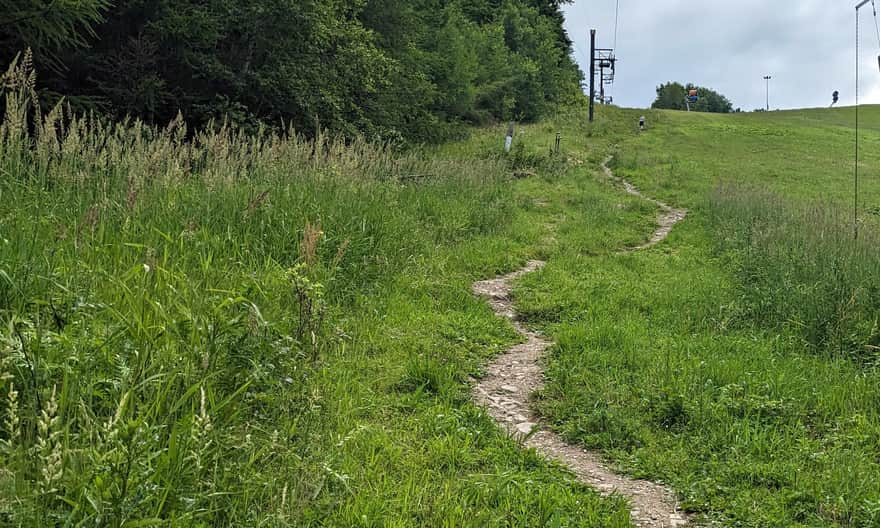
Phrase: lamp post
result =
(767, 79)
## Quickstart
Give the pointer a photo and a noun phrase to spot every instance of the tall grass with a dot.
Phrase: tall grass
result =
(799, 268)
(167, 297)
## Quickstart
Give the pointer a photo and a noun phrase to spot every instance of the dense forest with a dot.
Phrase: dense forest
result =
(388, 69)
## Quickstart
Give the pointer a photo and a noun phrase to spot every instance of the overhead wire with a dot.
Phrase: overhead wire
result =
(584, 55)
(876, 24)
(617, 20)
(616, 27)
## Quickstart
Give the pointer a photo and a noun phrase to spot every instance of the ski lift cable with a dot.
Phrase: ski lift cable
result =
(616, 26)
(876, 23)
(617, 21)
(584, 55)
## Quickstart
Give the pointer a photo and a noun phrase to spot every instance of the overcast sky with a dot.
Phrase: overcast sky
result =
(808, 46)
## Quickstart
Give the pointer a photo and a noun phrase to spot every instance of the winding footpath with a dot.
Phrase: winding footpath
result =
(515, 375)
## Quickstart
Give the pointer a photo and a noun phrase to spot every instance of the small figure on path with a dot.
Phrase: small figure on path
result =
(642, 123)
(835, 97)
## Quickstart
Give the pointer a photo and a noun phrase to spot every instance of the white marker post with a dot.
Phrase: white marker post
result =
(508, 142)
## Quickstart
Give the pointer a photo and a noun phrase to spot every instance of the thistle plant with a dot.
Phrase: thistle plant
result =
(312, 307)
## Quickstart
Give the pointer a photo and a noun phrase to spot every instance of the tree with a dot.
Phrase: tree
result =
(382, 68)
(672, 96)
(46, 26)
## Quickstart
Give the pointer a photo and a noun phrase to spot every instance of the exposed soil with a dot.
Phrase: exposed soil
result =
(665, 222)
(513, 377)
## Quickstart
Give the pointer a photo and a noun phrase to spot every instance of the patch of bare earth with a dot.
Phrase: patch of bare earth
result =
(667, 220)
(512, 378)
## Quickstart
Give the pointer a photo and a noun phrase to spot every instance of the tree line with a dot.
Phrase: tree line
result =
(673, 95)
(393, 69)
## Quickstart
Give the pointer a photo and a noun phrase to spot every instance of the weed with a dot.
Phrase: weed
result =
(208, 370)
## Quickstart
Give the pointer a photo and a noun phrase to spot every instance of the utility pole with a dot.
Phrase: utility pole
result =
(767, 78)
(592, 72)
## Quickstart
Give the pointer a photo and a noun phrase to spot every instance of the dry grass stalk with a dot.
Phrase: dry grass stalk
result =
(308, 248)
(90, 220)
(132, 195)
(340, 252)
(19, 84)
(256, 203)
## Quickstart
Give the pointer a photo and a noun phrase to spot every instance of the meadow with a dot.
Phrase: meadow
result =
(208, 328)
(736, 361)
(213, 328)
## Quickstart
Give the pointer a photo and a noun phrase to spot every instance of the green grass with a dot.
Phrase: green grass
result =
(214, 329)
(735, 361)
(803, 154)
(232, 330)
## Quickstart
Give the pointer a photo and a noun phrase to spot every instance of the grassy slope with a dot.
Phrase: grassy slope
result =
(149, 290)
(802, 153)
(656, 366)
(449, 465)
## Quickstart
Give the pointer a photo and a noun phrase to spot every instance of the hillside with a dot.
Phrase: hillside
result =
(800, 153)
(222, 328)
(737, 361)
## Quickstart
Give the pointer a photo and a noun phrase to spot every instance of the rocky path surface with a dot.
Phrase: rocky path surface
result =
(514, 376)
(667, 220)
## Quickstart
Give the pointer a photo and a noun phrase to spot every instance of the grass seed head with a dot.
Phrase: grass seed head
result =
(12, 422)
(308, 248)
(48, 445)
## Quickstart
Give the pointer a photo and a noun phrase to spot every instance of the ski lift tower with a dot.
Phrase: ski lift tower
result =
(605, 60)
(607, 67)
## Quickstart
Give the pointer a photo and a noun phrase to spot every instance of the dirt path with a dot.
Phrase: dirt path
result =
(514, 376)
(667, 220)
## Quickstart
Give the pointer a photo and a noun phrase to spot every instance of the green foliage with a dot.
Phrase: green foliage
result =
(656, 366)
(211, 328)
(672, 95)
(736, 360)
(800, 270)
(47, 26)
(382, 69)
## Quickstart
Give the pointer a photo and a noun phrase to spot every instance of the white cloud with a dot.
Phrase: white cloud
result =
(808, 46)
